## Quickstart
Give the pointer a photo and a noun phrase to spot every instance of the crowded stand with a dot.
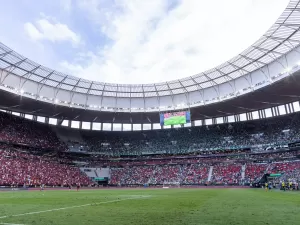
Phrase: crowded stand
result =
(195, 173)
(284, 167)
(159, 174)
(255, 135)
(20, 168)
(254, 171)
(226, 174)
(198, 174)
(203, 140)
(145, 174)
(22, 131)
(235, 154)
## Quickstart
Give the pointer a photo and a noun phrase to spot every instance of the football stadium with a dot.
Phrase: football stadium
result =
(221, 147)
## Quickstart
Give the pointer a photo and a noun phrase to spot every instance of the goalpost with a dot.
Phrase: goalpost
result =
(171, 185)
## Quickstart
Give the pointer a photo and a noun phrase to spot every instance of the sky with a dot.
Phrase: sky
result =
(134, 41)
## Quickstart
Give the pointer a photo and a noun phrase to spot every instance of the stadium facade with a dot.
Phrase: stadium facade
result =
(260, 82)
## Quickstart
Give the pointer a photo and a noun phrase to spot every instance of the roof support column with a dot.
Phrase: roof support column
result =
(214, 121)
(249, 116)
(225, 119)
(47, 120)
(287, 108)
(237, 118)
(193, 123)
(273, 111)
(291, 106)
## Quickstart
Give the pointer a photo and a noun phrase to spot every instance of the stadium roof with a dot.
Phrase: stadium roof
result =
(265, 75)
(284, 91)
(281, 38)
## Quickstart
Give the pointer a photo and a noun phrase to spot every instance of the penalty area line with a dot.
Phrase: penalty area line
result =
(64, 208)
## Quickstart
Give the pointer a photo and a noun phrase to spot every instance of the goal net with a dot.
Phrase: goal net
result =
(171, 185)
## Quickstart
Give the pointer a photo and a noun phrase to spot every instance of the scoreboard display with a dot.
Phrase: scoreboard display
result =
(174, 118)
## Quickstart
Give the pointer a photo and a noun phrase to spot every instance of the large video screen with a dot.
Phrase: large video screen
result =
(174, 118)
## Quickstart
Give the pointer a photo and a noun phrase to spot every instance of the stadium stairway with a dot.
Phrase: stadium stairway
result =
(69, 135)
(211, 168)
(268, 168)
(89, 173)
(243, 171)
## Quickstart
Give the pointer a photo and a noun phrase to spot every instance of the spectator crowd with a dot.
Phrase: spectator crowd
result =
(19, 168)
(203, 174)
(220, 154)
(257, 135)
(22, 131)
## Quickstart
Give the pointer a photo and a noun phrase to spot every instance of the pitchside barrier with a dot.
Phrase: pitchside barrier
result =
(176, 185)
(12, 189)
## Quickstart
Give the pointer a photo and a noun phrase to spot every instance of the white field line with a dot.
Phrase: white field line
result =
(70, 207)
(11, 224)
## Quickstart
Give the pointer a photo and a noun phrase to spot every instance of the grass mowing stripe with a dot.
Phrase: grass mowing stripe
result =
(70, 207)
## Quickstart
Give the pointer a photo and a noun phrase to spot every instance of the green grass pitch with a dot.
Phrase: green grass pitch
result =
(175, 120)
(151, 206)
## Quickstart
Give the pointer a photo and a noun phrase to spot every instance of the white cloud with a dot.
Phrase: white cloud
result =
(151, 43)
(66, 5)
(44, 29)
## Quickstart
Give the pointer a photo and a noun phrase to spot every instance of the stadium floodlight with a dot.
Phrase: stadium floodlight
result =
(288, 69)
(56, 101)
(22, 91)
